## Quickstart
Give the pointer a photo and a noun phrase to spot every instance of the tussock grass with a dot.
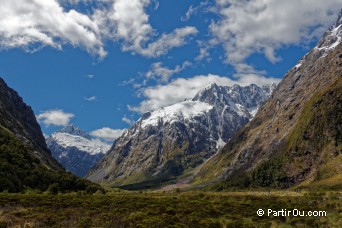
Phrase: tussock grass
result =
(159, 209)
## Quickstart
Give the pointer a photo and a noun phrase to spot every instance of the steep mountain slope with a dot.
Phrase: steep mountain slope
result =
(25, 160)
(167, 141)
(75, 149)
(19, 118)
(296, 134)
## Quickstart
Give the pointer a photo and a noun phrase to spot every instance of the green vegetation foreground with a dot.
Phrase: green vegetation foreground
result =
(189, 209)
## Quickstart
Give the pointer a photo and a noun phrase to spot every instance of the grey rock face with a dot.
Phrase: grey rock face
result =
(73, 130)
(165, 142)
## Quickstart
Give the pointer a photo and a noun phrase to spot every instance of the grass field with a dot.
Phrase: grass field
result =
(167, 209)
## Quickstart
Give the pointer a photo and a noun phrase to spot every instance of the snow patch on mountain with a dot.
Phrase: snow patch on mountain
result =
(183, 110)
(91, 146)
(253, 111)
(244, 101)
(213, 104)
(75, 149)
(220, 143)
(331, 38)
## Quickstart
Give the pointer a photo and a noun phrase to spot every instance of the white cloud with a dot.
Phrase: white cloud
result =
(70, 1)
(107, 133)
(26, 24)
(204, 54)
(77, 1)
(189, 13)
(263, 26)
(36, 23)
(160, 72)
(203, 7)
(245, 79)
(182, 88)
(156, 4)
(164, 43)
(90, 99)
(127, 120)
(55, 117)
(90, 76)
(204, 50)
(127, 22)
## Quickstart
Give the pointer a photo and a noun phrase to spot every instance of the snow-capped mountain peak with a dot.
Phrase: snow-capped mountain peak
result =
(243, 100)
(73, 130)
(72, 136)
(75, 149)
(249, 97)
(331, 38)
(91, 146)
(171, 139)
(180, 111)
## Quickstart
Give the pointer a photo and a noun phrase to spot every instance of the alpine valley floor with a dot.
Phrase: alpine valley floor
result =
(170, 209)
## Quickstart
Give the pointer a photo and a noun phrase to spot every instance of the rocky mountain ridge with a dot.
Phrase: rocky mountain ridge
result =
(165, 142)
(279, 148)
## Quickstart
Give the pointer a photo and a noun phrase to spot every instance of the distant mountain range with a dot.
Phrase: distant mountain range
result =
(296, 136)
(75, 149)
(168, 141)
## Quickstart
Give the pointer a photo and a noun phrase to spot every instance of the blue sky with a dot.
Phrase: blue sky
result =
(100, 64)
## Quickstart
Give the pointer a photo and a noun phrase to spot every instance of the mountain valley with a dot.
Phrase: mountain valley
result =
(232, 138)
(164, 143)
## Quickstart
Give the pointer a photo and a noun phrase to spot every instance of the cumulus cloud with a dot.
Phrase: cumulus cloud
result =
(160, 72)
(185, 88)
(55, 117)
(166, 42)
(34, 24)
(107, 133)
(28, 24)
(263, 26)
(127, 22)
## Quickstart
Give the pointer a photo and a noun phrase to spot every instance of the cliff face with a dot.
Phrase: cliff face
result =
(18, 117)
(291, 136)
(25, 161)
(167, 141)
